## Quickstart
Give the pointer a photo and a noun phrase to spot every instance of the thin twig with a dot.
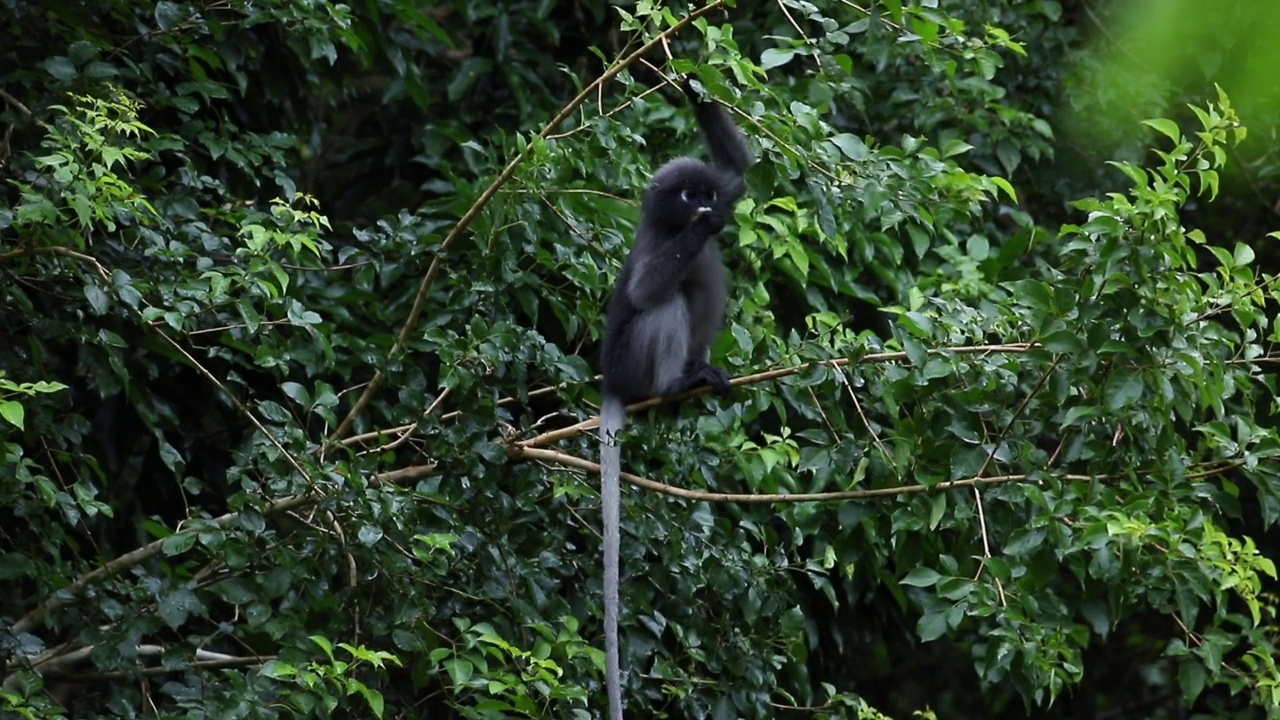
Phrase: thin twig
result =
(782, 5)
(831, 429)
(454, 414)
(1013, 418)
(406, 431)
(57, 250)
(626, 104)
(888, 458)
(986, 546)
(995, 446)
(1229, 304)
(244, 410)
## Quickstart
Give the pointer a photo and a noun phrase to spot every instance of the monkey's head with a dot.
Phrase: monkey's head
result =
(681, 191)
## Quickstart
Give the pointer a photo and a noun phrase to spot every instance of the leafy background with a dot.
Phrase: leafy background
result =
(301, 303)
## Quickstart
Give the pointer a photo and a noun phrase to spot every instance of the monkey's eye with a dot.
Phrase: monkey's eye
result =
(698, 196)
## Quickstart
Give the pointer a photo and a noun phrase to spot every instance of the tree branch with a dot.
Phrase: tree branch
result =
(885, 357)
(977, 481)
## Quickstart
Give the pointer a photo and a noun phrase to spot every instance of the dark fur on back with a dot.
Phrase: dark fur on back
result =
(665, 220)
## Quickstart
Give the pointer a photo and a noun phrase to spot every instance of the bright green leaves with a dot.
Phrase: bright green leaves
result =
(84, 157)
(491, 674)
(289, 228)
(323, 685)
(11, 410)
(1165, 127)
(776, 57)
(760, 458)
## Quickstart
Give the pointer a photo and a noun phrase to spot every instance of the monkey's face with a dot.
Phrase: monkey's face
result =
(694, 201)
(681, 192)
(699, 207)
(698, 199)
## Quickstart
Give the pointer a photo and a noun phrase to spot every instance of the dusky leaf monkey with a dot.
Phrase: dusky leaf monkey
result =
(666, 309)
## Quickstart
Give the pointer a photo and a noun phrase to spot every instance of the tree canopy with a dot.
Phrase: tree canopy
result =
(300, 305)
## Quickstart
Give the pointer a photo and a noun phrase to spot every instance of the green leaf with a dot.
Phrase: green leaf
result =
(61, 68)
(1062, 342)
(1243, 255)
(978, 247)
(917, 353)
(324, 644)
(1032, 293)
(297, 393)
(1009, 155)
(936, 367)
(97, 298)
(12, 412)
(921, 577)
(1191, 678)
(932, 626)
(918, 324)
(178, 543)
(1079, 413)
(937, 510)
(176, 605)
(1123, 388)
(852, 147)
(459, 670)
(168, 15)
(776, 57)
(1006, 187)
(278, 670)
(1165, 127)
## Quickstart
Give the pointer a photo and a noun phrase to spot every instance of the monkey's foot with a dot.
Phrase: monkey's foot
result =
(707, 374)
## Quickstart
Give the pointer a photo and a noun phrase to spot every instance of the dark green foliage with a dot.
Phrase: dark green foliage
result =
(300, 307)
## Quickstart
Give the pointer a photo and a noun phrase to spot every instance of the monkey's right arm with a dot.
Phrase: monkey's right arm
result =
(726, 142)
(724, 139)
(665, 264)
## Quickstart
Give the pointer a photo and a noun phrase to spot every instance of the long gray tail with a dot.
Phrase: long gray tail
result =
(612, 416)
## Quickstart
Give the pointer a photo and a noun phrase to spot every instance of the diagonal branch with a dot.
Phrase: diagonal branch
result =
(995, 446)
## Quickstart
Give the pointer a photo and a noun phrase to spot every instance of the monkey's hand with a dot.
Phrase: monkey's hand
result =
(708, 221)
(686, 86)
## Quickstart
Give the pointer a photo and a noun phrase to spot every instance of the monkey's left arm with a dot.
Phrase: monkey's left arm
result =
(659, 273)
